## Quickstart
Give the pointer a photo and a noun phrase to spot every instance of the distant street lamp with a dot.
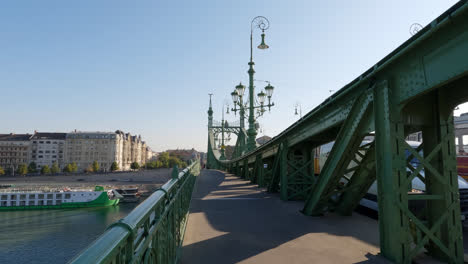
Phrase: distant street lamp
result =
(300, 110)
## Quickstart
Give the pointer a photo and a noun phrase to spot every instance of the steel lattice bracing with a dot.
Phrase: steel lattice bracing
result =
(415, 88)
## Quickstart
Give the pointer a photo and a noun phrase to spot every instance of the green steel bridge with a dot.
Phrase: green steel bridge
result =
(413, 89)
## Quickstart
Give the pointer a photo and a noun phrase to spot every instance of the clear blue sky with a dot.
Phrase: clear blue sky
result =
(146, 67)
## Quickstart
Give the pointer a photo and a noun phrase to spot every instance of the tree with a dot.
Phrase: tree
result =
(173, 160)
(159, 164)
(2, 171)
(45, 169)
(55, 168)
(68, 168)
(134, 165)
(95, 166)
(32, 167)
(22, 169)
(114, 166)
(164, 159)
(74, 167)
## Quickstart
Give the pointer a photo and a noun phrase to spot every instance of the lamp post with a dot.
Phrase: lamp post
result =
(300, 110)
(263, 24)
(224, 125)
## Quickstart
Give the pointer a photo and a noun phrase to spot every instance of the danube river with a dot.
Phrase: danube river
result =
(53, 236)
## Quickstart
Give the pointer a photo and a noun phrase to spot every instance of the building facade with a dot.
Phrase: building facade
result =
(84, 148)
(14, 150)
(47, 149)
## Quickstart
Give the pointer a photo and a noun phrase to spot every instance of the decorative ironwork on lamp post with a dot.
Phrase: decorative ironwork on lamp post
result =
(262, 23)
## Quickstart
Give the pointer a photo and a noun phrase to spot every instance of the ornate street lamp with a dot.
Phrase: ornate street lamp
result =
(237, 99)
(263, 24)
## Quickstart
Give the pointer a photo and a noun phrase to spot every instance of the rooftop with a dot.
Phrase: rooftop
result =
(15, 137)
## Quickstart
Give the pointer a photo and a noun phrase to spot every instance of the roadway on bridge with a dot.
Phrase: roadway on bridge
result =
(233, 221)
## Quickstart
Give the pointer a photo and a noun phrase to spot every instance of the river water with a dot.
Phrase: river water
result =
(53, 236)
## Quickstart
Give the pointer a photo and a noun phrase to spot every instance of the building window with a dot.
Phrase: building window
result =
(40, 156)
(31, 203)
(48, 142)
(32, 196)
(41, 142)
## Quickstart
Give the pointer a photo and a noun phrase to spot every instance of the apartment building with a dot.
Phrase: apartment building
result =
(14, 150)
(48, 148)
(84, 148)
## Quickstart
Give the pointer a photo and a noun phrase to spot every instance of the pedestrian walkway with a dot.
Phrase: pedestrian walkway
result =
(233, 221)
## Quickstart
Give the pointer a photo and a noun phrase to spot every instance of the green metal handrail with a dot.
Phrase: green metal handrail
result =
(153, 232)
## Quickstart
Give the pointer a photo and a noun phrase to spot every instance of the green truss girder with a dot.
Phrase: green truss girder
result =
(362, 178)
(298, 179)
(347, 143)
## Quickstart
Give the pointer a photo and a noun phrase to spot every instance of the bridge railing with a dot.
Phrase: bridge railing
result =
(153, 232)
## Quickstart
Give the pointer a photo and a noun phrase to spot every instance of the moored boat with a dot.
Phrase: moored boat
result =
(31, 200)
(130, 195)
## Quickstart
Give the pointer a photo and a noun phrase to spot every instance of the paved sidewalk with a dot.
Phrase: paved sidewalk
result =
(233, 221)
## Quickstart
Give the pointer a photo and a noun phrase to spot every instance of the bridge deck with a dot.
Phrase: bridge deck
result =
(233, 221)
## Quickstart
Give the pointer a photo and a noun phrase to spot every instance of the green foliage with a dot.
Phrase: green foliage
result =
(68, 168)
(159, 164)
(2, 171)
(134, 165)
(95, 166)
(32, 167)
(74, 167)
(22, 169)
(164, 159)
(114, 166)
(45, 169)
(55, 168)
(173, 160)
(151, 165)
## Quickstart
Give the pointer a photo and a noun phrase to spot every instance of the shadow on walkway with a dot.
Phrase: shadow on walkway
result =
(233, 221)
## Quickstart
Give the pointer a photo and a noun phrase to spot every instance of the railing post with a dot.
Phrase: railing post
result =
(175, 172)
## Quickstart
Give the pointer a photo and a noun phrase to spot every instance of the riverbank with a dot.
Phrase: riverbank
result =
(146, 180)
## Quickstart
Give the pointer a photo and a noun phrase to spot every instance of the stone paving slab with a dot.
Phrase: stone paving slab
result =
(233, 221)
